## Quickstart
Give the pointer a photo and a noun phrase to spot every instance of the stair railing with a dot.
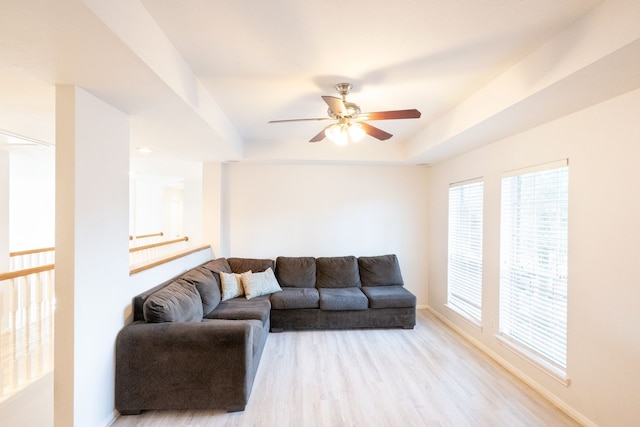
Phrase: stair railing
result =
(21, 260)
(27, 304)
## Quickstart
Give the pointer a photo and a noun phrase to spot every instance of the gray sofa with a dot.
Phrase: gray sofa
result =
(340, 293)
(187, 348)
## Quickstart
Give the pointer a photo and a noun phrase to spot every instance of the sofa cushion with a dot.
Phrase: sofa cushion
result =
(292, 298)
(242, 265)
(389, 297)
(296, 272)
(207, 286)
(218, 265)
(179, 301)
(258, 284)
(342, 299)
(231, 285)
(243, 309)
(383, 270)
(337, 272)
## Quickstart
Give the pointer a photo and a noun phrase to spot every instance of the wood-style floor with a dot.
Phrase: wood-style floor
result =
(428, 376)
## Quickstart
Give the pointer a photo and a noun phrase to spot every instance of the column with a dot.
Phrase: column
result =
(92, 268)
(4, 210)
(214, 218)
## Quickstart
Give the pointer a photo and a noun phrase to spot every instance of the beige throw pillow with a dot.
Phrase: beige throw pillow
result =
(231, 285)
(257, 284)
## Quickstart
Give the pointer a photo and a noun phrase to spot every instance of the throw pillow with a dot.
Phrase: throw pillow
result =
(257, 284)
(176, 302)
(231, 285)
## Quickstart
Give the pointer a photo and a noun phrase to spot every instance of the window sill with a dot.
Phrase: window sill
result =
(538, 362)
(462, 315)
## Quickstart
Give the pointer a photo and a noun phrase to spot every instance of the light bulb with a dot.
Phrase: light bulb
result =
(337, 133)
(356, 132)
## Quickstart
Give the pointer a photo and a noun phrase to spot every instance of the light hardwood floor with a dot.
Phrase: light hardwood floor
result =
(428, 376)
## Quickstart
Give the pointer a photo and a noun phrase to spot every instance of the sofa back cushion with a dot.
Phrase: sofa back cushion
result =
(207, 285)
(337, 272)
(296, 272)
(218, 265)
(242, 265)
(179, 301)
(383, 270)
(215, 266)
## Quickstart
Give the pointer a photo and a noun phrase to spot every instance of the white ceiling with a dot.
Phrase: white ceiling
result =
(202, 78)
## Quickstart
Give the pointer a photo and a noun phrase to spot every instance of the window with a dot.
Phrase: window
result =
(533, 271)
(464, 278)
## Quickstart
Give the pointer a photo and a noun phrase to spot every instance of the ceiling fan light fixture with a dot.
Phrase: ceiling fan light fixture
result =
(337, 133)
(356, 132)
(344, 132)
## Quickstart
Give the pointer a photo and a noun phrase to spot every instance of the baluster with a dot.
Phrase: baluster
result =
(15, 321)
(27, 304)
(4, 315)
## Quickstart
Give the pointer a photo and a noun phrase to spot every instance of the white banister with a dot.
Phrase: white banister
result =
(21, 260)
(27, 302)
(154, 251)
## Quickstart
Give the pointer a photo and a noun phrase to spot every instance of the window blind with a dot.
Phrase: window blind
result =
(464, 268)
(533, 256)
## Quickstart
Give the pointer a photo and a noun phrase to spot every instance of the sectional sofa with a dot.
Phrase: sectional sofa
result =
(196, 340)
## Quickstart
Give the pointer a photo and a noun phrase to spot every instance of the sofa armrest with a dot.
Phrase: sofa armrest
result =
(202, 365)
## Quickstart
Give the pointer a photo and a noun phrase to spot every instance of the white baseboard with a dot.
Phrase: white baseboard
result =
(112, 419)
(561, 404)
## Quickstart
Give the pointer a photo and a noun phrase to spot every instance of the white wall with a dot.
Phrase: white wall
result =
(32, 198)
(4, 211)
(322, 210)
(151, 198)
(192, 209)
(32, 406)
(149, 205)
(602, 144)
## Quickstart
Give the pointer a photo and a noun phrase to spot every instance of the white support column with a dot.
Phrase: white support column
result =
(4, 235)
(193, 211)
(213, 209)
(92, 268)
(4, 210)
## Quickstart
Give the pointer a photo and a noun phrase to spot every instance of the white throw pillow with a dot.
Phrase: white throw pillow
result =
(231, 285)
(257, 284)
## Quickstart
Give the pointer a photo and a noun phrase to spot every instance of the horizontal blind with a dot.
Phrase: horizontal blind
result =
(533, 256)
(464, 268)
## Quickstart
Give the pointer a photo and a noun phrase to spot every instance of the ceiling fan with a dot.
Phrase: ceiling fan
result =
(351, 123)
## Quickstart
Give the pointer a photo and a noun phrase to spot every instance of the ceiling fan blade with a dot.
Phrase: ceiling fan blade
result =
(375, 132)
(336, 105)
(315, 119)
(391, 115)
(319, 137)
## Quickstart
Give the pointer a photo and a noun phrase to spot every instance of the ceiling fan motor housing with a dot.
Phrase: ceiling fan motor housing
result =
(352, 111)
(344, 89)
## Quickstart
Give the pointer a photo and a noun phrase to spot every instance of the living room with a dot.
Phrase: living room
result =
(575, 98)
